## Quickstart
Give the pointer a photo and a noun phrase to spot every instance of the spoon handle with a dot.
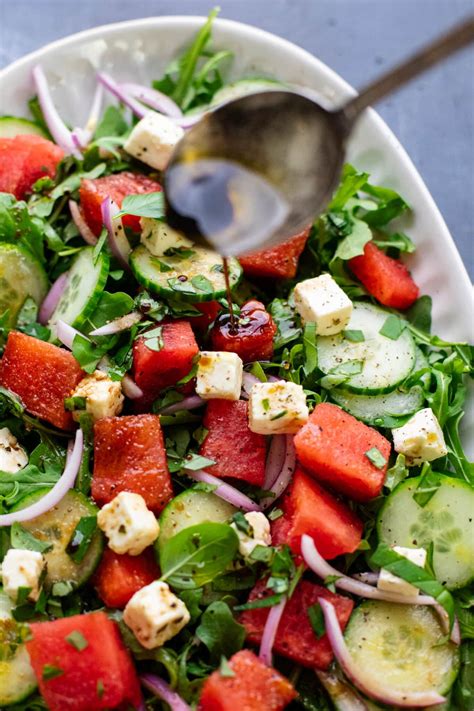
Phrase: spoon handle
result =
(454, 40)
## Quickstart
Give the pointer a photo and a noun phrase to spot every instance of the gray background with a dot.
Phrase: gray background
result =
(433, 117)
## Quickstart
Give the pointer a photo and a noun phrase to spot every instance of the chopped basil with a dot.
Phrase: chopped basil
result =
(266, 404)
(202, 283)
(279, 415)
(81, 538)
(376, 457)
(224, 668)
(75, 403)
(354, 335)
(100, 688)
(393, 327)
(269, 601)
(162, 266)
(193, 462)
(429, 484)
(275, 514)
(316, 619)
(62, 588)
(154, 338)
(21, 538)
(51, 672)
(77, 640)
(242, 524)
(144, 205)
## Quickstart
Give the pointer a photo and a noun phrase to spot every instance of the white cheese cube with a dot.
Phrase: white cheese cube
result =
(153, 140)
(277, 408)
(260, 533)
(22, 569)
(155, 615)
(392, 583)
(157, 237)
(128, 524)
(219, 375)
(103, 396)
(323, 302)
(12, 455)
(420, 439)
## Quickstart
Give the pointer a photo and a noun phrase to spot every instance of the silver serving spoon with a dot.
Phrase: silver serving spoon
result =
(261, 168)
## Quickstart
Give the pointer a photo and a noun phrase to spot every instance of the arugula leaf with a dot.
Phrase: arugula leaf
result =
(112, 123)
(17, 226)
(428, 485)
(154, 338)
(397, 473)
(144, 205)
(340, 373)
(310, 364)
(419, 315)
(285, 319)
(220, 632)
(196, 555)
(351, 182)
(353, 245)
(463, 691)
(21, 538)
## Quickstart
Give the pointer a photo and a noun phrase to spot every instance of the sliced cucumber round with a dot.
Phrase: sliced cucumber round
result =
(21, 275)
(402, 644)
(17, 678)
(84, 288)
(11, 126)
(243, 87)
(446, 522)
(380, 410)
(385, 362)
(198, 276)
(190, 508)
(56, 526)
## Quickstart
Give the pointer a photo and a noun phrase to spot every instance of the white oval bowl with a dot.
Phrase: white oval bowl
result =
(139, 50)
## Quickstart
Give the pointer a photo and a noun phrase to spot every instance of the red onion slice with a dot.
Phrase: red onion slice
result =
(153, 98)
(364, 681)
(160, 688)
(188, 403)
(270, 631)
(284, 477)
(342, 695)
(56, 126)
(52, 298)
(123, 96)
(84, 230)
(118, 324)
(275, 460)
(369, 578)
(118, 241)
(67, 334)
(131, 389)
(248, 381)
(57, 493)
(225, 491)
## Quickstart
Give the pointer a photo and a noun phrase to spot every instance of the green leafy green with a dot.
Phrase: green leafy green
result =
(81, 538)
(355, 336)
(144, 205)
(316, 619)
(220, 632)
(77, 640)
(376, 457)
(285, 318)
(392, 327)
(21, 538)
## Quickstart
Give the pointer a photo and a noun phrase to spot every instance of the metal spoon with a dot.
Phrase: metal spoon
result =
(261, 168)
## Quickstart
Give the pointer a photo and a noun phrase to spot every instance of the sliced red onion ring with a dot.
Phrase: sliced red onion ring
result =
(343, 696)
(248, 381)
(153, 98)
(369, 578)
(84, 230)
(57, 128)
(188, 403)
(284, 477)
(159, 687)
(189, 121)
(51, 299)
(275, 460)
(67, 334)
(118, 241)
(130, 388)
(57, 493)
(225, 491)
(118, 324)
(269, 632)
(123, 96)
(359, 677)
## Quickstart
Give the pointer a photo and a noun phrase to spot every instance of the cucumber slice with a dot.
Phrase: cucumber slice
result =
(401, 645)
(56, 526)
(243, 87)
(445, 521)
(190, 508)
(21, 275)
(17, 678)
(84, 288)
(198, 277)
(380, 410)
(385, 362)
(11, 126)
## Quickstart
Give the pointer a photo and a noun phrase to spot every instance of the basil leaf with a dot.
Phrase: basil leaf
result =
(154, 338)
(285, 319)
(427, 487)
(193, 462)
(316, 619)
(269, 601)
(196, 555)
(220, 632)
(355, 336)
(144, 205)
(419, 315)
(397, 473)
(376, 457)
(77, 640)
(353, 245)
(21, 538)
(81, 538)
(202, 283)
(51, 672)
(392, 327)
(112, 123)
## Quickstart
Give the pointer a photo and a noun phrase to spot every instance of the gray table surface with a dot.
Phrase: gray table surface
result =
(433, 117)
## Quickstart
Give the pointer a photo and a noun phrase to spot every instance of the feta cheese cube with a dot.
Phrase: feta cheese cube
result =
(12, 455)
(155, 615)
(219, 375)
(323, 302)
(128, 524)
(392, 583)
(277, 408)
(259, 536)
(22, 569)
(153, 140)
(420, 439)
(157, 237)
(103, 396)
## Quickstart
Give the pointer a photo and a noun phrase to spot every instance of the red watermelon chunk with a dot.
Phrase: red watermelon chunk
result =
(92, 193)
(97, 675)
(23, 160)
(252, 687)
(253, 338)
(385, 278)
(238, 452)
(333, 447)
(280, 262)
(295, 638)
(42, 375)
(118, 577)
(308, 508)
(130, 455)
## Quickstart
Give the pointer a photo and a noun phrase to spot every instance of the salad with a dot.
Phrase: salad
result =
(263, 509)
